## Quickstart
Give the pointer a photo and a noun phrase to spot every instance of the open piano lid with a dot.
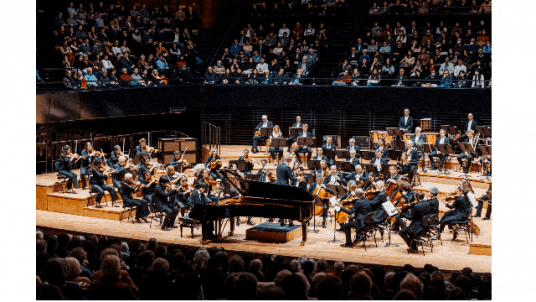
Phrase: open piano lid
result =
(250, 188)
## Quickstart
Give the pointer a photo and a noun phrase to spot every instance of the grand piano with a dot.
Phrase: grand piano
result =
(258, 199)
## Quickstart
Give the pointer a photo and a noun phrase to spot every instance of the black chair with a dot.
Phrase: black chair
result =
(464, 226)
(369, 230)
(430, 230)
(187, 222)
(62, 180)
(130, 208)
(157, 214)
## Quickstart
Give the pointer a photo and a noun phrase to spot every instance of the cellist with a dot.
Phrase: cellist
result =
(392, 177)
(347, 197)
(319, 188)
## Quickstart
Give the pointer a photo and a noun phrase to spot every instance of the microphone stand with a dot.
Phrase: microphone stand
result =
(335, 230)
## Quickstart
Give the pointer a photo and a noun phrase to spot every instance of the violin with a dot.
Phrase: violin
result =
(96, 153)
(215, 163)
(150, 149)
(151, 180)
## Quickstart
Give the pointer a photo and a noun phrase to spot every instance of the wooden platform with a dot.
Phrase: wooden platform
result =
(273, 233)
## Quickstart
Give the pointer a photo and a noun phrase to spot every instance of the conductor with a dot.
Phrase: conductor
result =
(284, 176)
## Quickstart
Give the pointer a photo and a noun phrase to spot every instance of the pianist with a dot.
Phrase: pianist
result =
(198, 199)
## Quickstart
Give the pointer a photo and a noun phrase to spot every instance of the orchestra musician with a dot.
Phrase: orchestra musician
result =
(320, 155)
(329, 145)
(182, 197)
(371, 180)
(64, 168)
(468, 155)
(85, 163)
(378, 161)
(99, 175)
(148, 183)
(334, 178)
(298, 123)
(350, 193)
(304, 148)
(276, 133)
(353, 159)
(120, 169)
(250, 164)
(204, 178)
(284, 175)
(178, 162)
(406, 122)
(142, 148)
(129, 187)
(418, 139)
(323, 170)
(146, 166)
(432, 200)
(416, 215)
(409, 197)
(441, 140)
(114, 156)
(376, 203)
(214, 157)
(361, 208)
(264, 171)
(470, 124)
(392, 177)
(197, 200)
(485, 198)
(358, 175)
(353, 146)
(413, 157)
(265, 123)
(383, 149)
(461, 208)
(164, 202)
(302, 179)
(314, 189)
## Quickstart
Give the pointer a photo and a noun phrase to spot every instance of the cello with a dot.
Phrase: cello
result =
(322, 193)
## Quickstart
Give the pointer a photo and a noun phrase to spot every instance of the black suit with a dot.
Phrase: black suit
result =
(304, 148)
(416, 215)
(213, 172)
(64, 168)
(257, 138)
(399, 223)
(140, 204)
(357, 150)
(85, 163)
(330, 147)
(406, 125)
(376, 205)
(362, 177)
(481, 204)
(139, 151)
(354, 161)
(284, 175)
(97, 181)
(382, 162)
(164, 202)
(469, 156)
(413, 162)
(248, 166)
(292, 139)
(461, 208)
(361, 208)
(417, 141)
(446, 141)
(197, 199)
(434, 206)
(323, 157)
(331, 177)
(325, 202)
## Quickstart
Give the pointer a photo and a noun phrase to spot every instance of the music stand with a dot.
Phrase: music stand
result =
(266, 131)
(344, 166)
(294, 131)
(390, 211)
(313, 164)
(398, 145)
(486, 150)
(371, 168)
(241, 165)
(394, 154)
(279, 142)
(366, 155)
(452, 130)
(311, 177)
(338, 189)
(305, 141)
(385, 169)
(487, 131)
(426, 149)
(320, 203)
(342, 154)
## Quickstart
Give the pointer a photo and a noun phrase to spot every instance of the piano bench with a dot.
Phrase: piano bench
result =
(187, 222)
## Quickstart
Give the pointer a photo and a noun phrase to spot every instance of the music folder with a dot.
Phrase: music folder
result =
(279, 142)
(266, 131)
(313, 164)
(241, 165)
(294, 131)
(389, 208)
(427, 148)
(305, 141)
(344, 166)
(342, 154)
(453, 130)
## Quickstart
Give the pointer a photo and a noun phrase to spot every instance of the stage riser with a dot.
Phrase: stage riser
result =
(42, 197)
(480, 249)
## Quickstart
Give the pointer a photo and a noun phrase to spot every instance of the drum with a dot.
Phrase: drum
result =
(426, 124)
(431, 137)
(406, 137)
(376, 134)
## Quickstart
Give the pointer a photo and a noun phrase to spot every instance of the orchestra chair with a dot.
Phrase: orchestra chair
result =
(464, 226)
(61, 179)
(369, 230)
(187, 222)
(431, 230)
(157, 214)
(93, 193)
(130, 208)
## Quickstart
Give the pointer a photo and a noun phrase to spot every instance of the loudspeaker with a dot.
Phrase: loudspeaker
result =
(170, 145)
(190, 157)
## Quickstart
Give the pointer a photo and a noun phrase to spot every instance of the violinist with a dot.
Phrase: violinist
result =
(301, 178)
(182, 198)
(353, 159)
(304, 148)
(178, 162)
(263, 171)
(334, 178)
(329, 145)
(173, 176)
(129, 187)
(99, 175)
(64, 168)
(250, 164)
(358, 175)
(378, 161)
(213, 163)
(146, 166)
(164, 201)
(485, 198)
(416, 214)
(353, 146)
(264, 124)
(369, 184)
(148, 183)
(408, 197)
(276, 134)
(217, 193)
(441, 140)
(413, 157)
(432, 200)
(142, 148)
(383, 149)
(361, 208)
(320, 155)
(114, 156)
(324, 169)
(376, 203)
(85, 163)
(461, 208)
(120, 170)
(316, 189)
(298, 123)
(197, 200)
(468, 155)
(204, 178)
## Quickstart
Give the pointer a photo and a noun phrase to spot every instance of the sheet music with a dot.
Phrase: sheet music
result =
(472, 199)
(333, 201)
(389, 208)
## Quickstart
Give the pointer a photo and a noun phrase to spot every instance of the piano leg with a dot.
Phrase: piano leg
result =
(232, 220)
(304, 233)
